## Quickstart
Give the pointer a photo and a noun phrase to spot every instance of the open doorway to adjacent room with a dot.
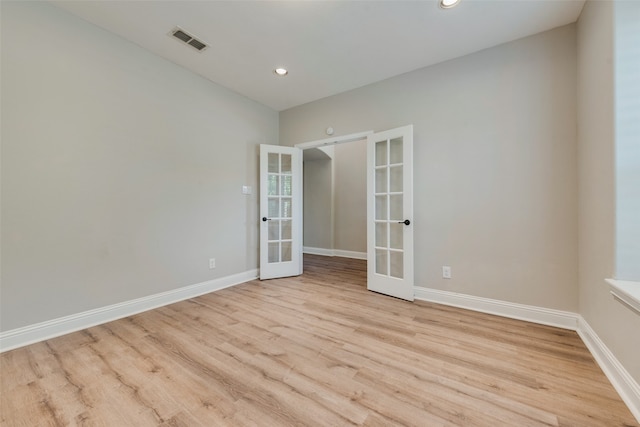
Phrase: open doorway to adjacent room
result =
(335, 200)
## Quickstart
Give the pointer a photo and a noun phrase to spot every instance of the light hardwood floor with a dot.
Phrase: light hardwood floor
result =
(313, 350)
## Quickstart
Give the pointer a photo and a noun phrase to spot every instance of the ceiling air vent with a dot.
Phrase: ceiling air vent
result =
(187, 38)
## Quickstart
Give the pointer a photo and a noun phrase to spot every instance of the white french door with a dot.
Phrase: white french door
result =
(390, 212)
(280, 211)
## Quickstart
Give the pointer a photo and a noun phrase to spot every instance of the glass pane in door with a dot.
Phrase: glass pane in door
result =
(395, 179)
(274, 252)
(381, 234)
(273, 208)
(396, 235)
(272, 185)
(381, 207)
(286, 230)
(286, 251)
(285, 167)
(396, 264)
(395, 210)
(381, 180)
(286, 207)
(381, 153)
(381, 261)
(274, 230)
(274, 163)
(286, 185)
(395, 150)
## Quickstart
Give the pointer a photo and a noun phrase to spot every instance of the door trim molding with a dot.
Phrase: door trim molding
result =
(334, 140)
(48, 329)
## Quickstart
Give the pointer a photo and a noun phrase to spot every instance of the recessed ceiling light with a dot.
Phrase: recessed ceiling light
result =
(281, 71)
(448, 4)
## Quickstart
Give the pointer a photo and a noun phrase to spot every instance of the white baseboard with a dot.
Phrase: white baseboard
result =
(317, 251)
(349, 254)
(529, 313)
(63, 325)
(334, 252)
(622, 381)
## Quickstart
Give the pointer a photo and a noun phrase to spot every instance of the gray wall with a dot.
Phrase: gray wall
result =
(494, 165)
(350, 229)
(318, 176)
(616, 325)
(121, 172)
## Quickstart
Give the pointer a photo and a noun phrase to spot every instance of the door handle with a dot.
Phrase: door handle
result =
(405, 222)
(264, 218)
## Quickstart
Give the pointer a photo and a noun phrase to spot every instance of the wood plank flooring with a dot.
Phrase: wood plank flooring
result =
(316, 350)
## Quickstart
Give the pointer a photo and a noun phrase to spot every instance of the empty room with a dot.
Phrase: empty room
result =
(327, 213)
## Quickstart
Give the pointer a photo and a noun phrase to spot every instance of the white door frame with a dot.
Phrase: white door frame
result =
(334, 140)
(329, 143)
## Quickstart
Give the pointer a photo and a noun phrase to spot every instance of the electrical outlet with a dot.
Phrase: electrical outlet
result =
(212, 263)
(446, 272)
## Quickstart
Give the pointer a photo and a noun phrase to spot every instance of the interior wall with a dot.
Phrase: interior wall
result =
(350, 228)
(616, 325)
(121, 172)
(494, 165)
(317, 183)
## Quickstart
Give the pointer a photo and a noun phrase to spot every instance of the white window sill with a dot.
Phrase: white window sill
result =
(628, 293)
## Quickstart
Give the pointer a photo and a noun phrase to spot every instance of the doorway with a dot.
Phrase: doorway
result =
(389, 207)
(334, 202)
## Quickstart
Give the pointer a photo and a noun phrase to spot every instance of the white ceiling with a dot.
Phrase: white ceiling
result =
(327, 46)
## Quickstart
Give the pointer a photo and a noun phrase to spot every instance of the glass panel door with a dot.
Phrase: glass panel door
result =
(390, 209)
(281, 207)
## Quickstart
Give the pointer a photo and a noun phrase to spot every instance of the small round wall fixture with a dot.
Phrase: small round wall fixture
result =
(448, 4)
(329, 130)
(281, 72)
